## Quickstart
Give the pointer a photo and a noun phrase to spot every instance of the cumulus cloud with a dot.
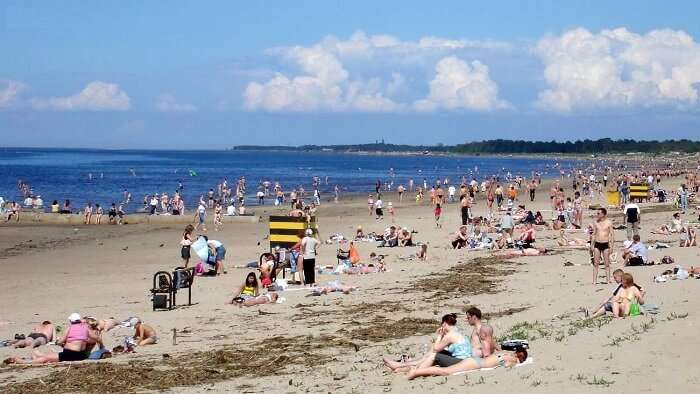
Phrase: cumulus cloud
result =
(324, 85)
(168, 103)
(618, 68)
(461, 85)
(97, 96)
(9, 90)
(324, 82)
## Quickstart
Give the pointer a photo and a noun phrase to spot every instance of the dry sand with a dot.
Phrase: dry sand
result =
(335, 343)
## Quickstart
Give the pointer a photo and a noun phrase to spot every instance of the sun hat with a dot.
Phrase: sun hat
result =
(309, 231)
(74, 317)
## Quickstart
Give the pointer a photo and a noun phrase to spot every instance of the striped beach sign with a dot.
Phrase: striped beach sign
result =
(639, 191)
(285, 231)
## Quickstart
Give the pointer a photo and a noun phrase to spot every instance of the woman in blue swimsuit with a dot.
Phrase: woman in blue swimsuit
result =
(450, 348)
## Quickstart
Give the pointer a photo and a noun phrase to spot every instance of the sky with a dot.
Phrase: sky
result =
(213, 74)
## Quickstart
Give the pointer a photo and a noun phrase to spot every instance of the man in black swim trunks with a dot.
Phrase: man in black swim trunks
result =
(603, 239)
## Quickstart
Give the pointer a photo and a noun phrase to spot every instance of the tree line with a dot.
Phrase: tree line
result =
(500, 146)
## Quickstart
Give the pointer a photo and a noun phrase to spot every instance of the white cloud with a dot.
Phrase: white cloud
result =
(618, 68)
(97, 96)
(324, 85)
(9, 93)
(460, 85)
(168, 103)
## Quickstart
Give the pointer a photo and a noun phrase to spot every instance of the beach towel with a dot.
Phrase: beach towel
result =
(529, 361)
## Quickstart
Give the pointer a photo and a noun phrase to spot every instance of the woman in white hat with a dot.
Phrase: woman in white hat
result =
(308, 251)
(73, 341)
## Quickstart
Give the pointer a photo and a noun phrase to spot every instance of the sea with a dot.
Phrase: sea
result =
(102, 176)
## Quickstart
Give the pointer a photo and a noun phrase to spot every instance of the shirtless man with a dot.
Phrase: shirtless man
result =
(603, 240)
(41, 335)
(144, 334)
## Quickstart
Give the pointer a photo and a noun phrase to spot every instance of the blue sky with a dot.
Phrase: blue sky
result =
(176, 74)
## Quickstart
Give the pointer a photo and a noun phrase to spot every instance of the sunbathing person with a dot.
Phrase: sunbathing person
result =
(41, 335)
(334, 286)
(144, 334)
(689, 238)
(249, 289)
(629, 298)
(522, 252)
(104, 325)
(500, 359)
(675, 227)
(405, 237)
(450, 348)
(269, 298)
(577, 242)
(607, 305)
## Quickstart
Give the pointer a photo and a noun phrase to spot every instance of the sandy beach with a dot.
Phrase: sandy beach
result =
(335, 343)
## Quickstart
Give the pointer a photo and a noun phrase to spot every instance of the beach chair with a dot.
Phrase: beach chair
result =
(166, 286)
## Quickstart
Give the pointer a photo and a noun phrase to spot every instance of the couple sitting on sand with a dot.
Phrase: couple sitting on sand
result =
(626, 298)
(453, 353)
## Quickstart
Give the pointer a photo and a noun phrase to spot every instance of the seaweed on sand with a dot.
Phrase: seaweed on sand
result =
(270, 357)
(478, 276)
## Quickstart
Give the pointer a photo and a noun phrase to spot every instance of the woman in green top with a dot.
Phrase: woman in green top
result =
(628, 298)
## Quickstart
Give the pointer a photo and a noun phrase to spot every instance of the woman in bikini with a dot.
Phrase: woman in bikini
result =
(500, 359)
(628, 299)
(451, 347)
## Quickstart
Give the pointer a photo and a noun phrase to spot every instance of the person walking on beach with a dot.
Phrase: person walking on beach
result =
(603, 241)
(531, 187)
(200, 216)
(438, 213)
(186, 243)
(465, 206)
(370, 205)
(378, 208)
(632, 218)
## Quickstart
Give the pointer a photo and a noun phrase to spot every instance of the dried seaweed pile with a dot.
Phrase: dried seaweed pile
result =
(270, 357)
(478, 276)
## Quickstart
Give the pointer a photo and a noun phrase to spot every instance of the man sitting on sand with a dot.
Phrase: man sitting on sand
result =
(636, 253)
(41, 335)
(675, 227)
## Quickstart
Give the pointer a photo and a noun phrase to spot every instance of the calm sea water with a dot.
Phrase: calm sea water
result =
(65, 174)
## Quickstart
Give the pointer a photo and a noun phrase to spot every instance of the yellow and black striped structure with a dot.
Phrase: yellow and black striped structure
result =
(639, 191)
(285, 231)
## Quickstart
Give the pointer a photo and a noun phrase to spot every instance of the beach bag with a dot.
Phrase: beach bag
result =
(667, 260)
(200, 269)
